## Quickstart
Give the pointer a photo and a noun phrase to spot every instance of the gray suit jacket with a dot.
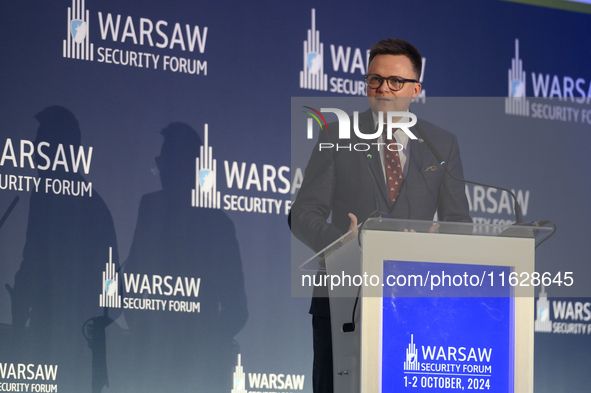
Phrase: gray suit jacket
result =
(340, 182)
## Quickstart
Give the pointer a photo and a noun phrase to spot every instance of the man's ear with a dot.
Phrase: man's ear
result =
(417, 90)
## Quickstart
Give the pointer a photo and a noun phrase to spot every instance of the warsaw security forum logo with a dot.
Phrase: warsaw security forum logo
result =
(262, 382)
(77, 43)
(205, 193)
(239, 378)
(516, 103)
(110, 296)
(412, 358)
(312, 76)
(543, 322)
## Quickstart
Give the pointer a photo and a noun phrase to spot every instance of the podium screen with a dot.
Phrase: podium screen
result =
(459, 337)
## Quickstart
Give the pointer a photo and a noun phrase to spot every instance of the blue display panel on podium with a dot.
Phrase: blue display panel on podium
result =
(418, 310)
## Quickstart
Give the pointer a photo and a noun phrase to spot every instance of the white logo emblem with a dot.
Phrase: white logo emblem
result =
(77, 45)
(78, 29)
(110, 296)
(313, 76)
(314, 63)
(205, 193)
(239, 385)
(516, 103)
(543, 322)
(412, 359)
(206, 179)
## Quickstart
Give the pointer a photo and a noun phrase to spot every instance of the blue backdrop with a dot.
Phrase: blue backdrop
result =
(231, 68)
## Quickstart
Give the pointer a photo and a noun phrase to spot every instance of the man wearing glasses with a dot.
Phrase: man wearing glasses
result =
(410, 183)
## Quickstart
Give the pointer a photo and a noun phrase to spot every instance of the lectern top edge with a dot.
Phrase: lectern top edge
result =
(315, 263)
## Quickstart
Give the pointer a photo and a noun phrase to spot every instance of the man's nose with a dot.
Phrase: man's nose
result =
(384, 88)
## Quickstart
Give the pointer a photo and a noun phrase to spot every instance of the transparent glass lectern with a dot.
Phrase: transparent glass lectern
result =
(421, 306)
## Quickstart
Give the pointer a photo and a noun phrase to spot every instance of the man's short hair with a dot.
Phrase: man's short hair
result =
(397, 46)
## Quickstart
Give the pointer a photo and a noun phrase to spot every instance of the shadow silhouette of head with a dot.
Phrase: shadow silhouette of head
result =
(176, 162)
(57, 125)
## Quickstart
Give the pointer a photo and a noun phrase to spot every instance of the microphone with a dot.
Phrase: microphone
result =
(350, 326)
(518, 216)
(375, 187)
(378, 213)
(510, 232)
(374, 181)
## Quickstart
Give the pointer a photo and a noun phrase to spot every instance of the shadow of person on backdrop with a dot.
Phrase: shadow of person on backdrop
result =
(69, 234)
(175, 350)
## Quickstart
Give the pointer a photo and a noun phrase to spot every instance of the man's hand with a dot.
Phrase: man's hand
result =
(353, 224)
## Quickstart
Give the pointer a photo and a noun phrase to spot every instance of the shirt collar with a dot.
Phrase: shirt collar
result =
(401, 136)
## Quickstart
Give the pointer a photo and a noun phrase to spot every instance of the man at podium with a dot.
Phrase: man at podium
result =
(399, 177)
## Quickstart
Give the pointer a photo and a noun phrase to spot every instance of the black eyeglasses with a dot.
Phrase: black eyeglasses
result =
(395, 83)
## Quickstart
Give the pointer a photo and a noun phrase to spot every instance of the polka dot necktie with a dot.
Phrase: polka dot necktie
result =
(393, 170)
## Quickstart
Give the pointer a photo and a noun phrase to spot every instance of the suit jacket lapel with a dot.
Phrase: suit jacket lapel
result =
(417, 151)
(375, 165)
(377, 170)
